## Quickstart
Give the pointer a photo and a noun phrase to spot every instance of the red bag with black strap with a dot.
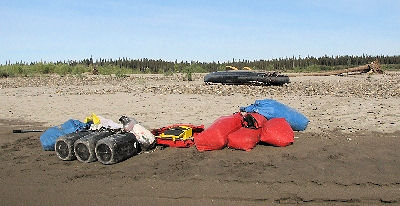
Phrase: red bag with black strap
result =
(215, 136)
(277, 132)
(247, 137)
(254, 120)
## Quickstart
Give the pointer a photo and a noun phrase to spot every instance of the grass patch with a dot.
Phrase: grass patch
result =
(390, 67)
(189, 70)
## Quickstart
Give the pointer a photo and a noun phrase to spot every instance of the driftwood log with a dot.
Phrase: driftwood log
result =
(372, 68)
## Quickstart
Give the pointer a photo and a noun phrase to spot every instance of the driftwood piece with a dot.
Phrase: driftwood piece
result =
(372, 68)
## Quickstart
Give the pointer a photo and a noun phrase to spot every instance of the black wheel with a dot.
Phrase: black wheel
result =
(62, 149)
(103, 153)
(82, 151)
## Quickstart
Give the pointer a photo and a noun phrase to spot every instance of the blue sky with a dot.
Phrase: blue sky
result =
(219, 30)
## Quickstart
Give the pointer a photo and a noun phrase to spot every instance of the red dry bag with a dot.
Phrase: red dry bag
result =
(244, 138)
(215, 136)
(254, 120)
(277, 132)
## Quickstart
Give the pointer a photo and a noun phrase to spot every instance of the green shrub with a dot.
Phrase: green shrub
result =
(390, 67)
(41, 68)
(169, 72)
(79, 69)
(188, 70)
(189, 75)
(63, 69)
(120, 73)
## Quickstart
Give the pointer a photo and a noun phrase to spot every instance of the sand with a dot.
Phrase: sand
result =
(348, 154)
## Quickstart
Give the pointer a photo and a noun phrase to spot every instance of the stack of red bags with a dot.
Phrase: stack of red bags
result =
(244, 132)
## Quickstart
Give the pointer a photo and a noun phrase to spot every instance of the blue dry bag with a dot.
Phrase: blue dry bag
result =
(274, 109)
(49, 137)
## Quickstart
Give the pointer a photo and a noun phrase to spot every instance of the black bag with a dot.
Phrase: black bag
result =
(65, 145)
(117, 148)
(85, 146)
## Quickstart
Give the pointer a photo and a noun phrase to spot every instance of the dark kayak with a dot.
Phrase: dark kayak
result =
(246, 77)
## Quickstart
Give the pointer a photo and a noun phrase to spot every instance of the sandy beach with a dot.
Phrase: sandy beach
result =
(347, 155)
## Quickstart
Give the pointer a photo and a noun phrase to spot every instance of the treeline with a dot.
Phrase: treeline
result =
(281, 64)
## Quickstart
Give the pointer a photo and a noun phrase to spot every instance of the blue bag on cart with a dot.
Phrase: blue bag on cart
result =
(49, 137)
